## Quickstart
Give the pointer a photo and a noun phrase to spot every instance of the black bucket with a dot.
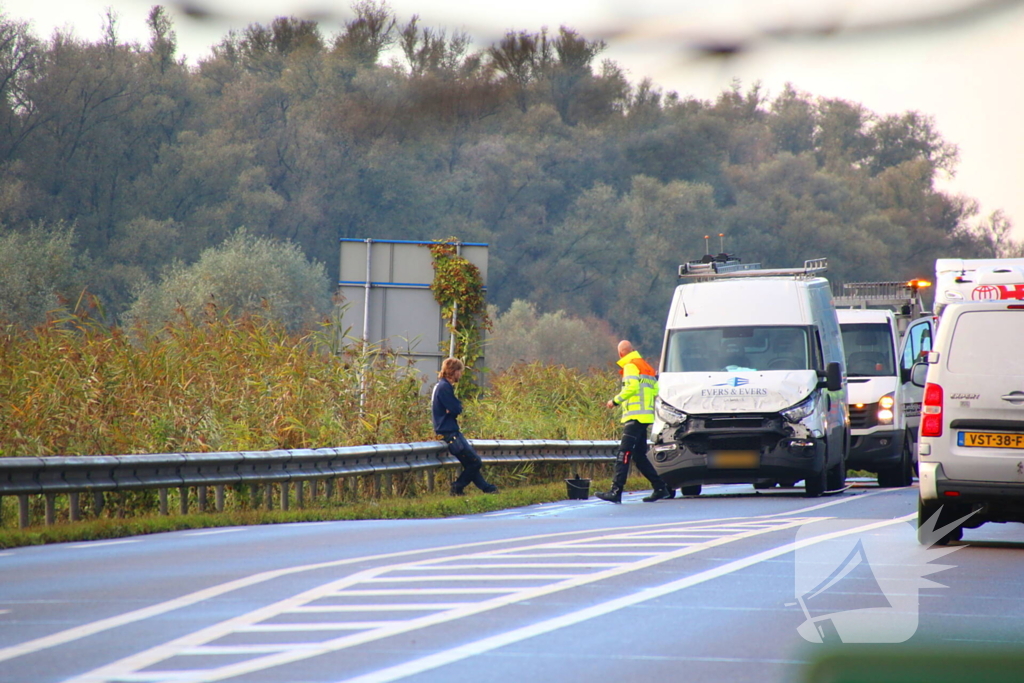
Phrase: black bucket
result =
(578, 489)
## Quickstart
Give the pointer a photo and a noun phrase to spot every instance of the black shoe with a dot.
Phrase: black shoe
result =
(658, 494)
(491, 489)
(456, 491)
(613, 496)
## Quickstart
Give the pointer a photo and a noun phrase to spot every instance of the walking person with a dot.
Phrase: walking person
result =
(639, 387)
(445, 409)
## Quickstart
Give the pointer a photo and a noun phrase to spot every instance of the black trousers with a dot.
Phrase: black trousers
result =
(633, 448)
(460, 447)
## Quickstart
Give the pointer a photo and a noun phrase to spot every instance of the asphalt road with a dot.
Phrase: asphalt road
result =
(730, 586)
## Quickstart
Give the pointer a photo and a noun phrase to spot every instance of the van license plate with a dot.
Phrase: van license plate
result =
(989, 440)
(739, 460)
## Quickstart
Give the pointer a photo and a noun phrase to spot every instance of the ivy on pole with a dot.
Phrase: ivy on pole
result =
(459, 290)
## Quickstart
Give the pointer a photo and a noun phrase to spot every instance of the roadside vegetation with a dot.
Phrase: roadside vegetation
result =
(74, 386)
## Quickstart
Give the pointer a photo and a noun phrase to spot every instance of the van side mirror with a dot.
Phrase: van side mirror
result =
(918, 374)
(833, 377)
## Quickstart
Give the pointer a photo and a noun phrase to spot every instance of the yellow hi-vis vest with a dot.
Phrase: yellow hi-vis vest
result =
(639, 387)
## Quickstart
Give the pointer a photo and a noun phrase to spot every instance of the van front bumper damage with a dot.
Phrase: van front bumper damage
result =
(737, 449)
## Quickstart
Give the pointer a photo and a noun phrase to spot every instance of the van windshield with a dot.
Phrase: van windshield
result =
(868, 348)
(735, 349)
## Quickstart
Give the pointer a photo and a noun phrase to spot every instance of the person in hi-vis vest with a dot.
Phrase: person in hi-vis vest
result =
(639, 387)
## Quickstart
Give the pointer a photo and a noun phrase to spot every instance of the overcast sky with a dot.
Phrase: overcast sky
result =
(961, 68)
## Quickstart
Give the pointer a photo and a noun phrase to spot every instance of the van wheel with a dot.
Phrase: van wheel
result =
(690, 490)
(816, 484)
(925, 509)
(836, 478)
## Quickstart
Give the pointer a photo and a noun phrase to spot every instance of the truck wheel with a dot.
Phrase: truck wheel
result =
(690, 490)
(902, 474)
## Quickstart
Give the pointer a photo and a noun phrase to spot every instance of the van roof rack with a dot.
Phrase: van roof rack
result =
(732, 268)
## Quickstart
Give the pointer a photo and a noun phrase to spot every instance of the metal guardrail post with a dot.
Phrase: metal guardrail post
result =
(74, 506)
(23, 518)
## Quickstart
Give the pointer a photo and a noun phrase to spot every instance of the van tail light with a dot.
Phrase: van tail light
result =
(931, 410)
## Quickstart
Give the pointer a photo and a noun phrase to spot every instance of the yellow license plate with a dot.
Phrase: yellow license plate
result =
(739, 460)
(989, 440)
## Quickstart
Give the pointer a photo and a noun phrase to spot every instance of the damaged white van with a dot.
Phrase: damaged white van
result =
(751, 384)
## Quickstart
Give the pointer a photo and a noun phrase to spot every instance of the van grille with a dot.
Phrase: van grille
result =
(733, 423)
(864, 416)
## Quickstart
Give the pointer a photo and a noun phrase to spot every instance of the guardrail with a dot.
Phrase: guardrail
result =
(77, 475)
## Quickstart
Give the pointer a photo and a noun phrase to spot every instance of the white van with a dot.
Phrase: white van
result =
(879, 432)
(751, 386)
(971, 448)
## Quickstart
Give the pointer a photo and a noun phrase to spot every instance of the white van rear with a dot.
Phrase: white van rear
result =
(751, 387)
(971, 449)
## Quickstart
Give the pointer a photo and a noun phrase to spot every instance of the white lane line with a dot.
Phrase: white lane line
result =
(85, 630)
(165, 651)
(215, 531)
(426, 591)
(5, 611)
(205, 650)
(387, 607)
(103, 544)
(542, 555)
(531, 565)
(625, 543)
(456, 654)
(469, 577)
(326, 626)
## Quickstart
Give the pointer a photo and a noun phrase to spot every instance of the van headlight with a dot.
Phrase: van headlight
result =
(668, 413)
(800, 410)
(885, 412)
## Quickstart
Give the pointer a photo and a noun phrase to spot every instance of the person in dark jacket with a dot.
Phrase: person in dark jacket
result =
(445, 409)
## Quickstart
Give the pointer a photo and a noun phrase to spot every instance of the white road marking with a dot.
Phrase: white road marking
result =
(118, 670)
(103, 544)
(494, 642)
(85, 630)
(215, 531)
(319, 626)
(388, 607)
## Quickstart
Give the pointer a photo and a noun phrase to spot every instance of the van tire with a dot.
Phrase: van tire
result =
(925, 509)
(690, 490)
(836, 477)
(816, 484)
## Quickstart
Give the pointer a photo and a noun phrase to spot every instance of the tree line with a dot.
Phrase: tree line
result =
(121, 165)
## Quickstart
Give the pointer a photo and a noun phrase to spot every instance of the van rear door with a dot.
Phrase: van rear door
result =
(983, 396)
